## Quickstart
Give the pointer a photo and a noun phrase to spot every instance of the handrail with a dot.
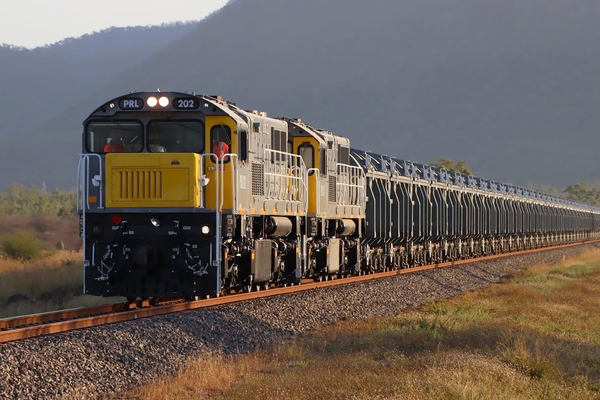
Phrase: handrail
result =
(217, 215)
(234, 180)
(83, 184)
(350, 185)
(80, 188)
(83, 187)
(202, 177)
(79, 183)
(317, 173)
(285, 177)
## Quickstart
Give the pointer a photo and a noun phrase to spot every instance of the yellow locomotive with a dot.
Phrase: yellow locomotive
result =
(188, 195)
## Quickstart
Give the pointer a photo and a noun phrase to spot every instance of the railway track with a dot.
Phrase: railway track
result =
(30, 326)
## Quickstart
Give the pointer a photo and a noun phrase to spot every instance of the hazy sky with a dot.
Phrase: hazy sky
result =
(32, 23)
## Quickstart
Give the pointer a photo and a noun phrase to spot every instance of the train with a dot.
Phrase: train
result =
(187, 195)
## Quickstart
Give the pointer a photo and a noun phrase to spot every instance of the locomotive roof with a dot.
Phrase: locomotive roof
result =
(322, 135)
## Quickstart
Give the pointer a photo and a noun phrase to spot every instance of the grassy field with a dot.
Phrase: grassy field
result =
(49, 281)
(52, 282)
(535, 337)
(52, 231)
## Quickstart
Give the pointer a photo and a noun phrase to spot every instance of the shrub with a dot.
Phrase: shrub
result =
(49, 229)
(18, 199)
(22, 246)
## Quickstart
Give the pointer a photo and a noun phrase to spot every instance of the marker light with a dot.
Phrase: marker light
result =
(163, 101)
(205, 230)
(116, 219)
(152, 102)
(155, 222)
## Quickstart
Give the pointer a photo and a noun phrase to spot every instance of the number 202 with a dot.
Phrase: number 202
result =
(186, 104)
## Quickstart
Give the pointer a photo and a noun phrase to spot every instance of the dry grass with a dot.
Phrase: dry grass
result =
(33, 278)
(535, 337)
(206, 377)
(50, 283)
(51, 230)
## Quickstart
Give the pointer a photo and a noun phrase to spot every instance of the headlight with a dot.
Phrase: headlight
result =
(155, 222)
(152, 102)
(205, 229)
(163, 101)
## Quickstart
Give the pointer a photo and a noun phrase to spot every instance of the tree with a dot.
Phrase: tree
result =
(583, 193)
(458, 166)
(30, 201)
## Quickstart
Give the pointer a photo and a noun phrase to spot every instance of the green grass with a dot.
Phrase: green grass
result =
(22, 246)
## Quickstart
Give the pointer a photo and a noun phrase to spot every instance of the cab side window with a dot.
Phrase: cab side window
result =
(220, 141)
(307, 152)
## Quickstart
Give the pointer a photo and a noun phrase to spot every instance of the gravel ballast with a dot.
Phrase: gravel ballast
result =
(106, 360)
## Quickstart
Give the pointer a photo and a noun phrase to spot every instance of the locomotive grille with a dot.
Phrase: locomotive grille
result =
(332, 188)
(258, 179)
(153, 180)
(140, 185)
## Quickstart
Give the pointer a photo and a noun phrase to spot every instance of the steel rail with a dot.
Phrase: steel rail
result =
(52, 316)
(74, 313)
(80, 318)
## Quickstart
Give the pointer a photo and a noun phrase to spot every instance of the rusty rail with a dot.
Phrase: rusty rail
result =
(52, 316)
(44, 324)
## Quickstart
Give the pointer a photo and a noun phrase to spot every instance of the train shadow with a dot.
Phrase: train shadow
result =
(477, 277)
(483, 274)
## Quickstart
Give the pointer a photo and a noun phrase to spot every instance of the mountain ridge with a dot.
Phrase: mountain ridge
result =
(509, 86)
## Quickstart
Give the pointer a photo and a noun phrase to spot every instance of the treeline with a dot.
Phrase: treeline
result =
(18, 199)
(454, 166)
(584, 192)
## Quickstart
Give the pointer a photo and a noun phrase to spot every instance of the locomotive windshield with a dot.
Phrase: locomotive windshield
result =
(176, 136)
(114, 137)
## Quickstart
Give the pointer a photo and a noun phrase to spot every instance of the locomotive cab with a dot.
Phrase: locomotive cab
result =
(336, 200)
(152, 194)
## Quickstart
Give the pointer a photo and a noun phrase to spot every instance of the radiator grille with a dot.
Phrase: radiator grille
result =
(140, 185)
(332, 188)
(258, 179)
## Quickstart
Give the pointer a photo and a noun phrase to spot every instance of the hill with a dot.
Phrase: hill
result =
(510, 86)
(36, 85)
